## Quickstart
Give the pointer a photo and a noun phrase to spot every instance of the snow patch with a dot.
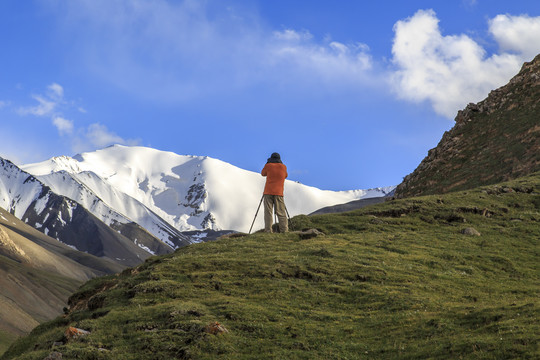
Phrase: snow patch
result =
(145, 248)
(198, 238)
(60, 218)
(72, 246)
(41, 204)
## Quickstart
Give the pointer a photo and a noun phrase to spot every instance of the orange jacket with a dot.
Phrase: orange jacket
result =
(275, 178)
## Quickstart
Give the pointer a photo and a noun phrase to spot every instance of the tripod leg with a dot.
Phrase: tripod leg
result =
(256, 214)
(288, 216)
(275, 211)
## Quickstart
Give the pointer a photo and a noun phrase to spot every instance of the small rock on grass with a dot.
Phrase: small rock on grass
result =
(470, 231)
(308, 234)
(75, 333)
(215, 328)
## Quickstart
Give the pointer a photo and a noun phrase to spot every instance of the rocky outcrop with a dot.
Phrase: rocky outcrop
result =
(10, 250)
(495, 140)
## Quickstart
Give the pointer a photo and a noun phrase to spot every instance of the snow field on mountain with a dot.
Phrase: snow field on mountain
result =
(12, 185)
(188, 192)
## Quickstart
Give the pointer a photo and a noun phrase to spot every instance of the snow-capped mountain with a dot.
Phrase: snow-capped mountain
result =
(74, 186)
(68, 221)
(163, 191)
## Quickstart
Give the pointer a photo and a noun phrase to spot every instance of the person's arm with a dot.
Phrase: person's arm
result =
(263, 172)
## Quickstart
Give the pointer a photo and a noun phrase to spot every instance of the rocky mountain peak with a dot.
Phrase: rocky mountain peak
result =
(495, 140)
(503, 97)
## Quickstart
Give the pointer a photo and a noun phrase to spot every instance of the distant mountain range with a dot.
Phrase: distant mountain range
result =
(68, 221)
(127, 203)
(163, 191)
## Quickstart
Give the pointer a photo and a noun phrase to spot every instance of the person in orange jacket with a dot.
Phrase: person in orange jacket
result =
(276, 173)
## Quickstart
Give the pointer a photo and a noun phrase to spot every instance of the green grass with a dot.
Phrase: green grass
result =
(6, 339)
(395, 280)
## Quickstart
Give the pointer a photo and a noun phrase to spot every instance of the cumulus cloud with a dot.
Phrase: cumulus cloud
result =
(519, 34)
(179, 51)
(451, 71)
(64, 126)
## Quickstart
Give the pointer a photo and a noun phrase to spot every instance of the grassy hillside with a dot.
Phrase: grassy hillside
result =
(394, 280)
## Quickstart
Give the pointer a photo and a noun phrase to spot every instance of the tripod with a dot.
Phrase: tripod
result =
(257, 212)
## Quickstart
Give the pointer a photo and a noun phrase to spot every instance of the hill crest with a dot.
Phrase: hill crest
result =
(495, 140)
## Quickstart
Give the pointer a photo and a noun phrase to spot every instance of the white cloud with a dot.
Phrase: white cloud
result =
(4, 104)
(64, 126)
(56, 91)
(448, 71)
(176, 51)
(45, 107)
(47, 103)
(520, 34)
(331, 61)
(292, 35)
(98, 136)
(52, 104)
(179, 51)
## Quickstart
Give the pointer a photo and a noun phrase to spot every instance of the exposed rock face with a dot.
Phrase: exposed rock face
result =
(67, 221)
(496, 140)
(9, 249)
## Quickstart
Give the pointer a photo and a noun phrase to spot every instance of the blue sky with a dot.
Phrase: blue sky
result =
(351, 93)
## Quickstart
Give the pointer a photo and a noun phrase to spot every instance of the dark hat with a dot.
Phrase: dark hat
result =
(274, 158)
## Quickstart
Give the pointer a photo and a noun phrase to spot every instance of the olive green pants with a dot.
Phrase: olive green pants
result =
(276, 202)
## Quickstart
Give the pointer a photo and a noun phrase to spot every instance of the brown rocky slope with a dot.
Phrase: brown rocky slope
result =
(495, 140)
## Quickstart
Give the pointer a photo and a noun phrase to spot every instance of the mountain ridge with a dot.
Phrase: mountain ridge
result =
(189, 192)
(495, 140)
(66, 220)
